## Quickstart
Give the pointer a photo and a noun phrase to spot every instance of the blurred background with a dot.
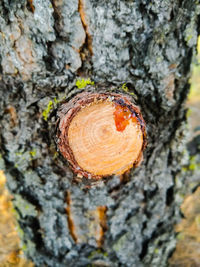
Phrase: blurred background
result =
(187, 251)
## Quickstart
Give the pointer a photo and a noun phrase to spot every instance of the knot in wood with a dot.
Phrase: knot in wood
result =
(101, 134)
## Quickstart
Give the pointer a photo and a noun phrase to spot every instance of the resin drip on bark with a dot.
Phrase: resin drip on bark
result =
(101, 134)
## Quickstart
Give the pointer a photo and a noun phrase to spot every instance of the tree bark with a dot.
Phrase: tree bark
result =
(45, 47)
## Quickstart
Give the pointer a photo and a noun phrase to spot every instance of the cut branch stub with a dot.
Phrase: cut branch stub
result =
(101, 134)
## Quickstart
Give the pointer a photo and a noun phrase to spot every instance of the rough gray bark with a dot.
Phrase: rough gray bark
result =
(45, 46)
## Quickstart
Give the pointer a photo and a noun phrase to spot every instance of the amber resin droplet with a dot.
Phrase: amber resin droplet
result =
(101, 134)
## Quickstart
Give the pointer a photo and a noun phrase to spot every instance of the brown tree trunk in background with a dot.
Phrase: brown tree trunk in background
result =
(45, 46)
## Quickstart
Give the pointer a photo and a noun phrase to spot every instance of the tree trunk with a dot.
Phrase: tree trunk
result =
(45, 47)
